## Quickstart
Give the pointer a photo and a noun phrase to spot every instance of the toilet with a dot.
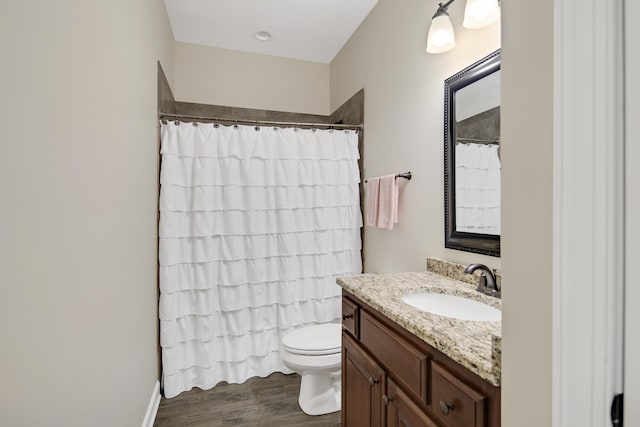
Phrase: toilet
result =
(314, 352)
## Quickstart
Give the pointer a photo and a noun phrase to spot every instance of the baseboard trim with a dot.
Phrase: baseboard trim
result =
(152, 409)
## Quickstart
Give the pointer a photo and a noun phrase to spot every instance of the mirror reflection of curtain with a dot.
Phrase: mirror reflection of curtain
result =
(477, 188)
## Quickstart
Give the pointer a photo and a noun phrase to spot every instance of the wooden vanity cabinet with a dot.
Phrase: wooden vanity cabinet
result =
(391, 378)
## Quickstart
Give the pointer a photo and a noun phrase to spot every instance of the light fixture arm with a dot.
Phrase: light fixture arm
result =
(442, 9)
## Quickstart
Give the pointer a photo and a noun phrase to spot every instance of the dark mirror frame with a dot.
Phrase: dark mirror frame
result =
(485, 244)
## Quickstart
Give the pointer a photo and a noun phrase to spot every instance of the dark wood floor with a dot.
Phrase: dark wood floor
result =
(259, 402)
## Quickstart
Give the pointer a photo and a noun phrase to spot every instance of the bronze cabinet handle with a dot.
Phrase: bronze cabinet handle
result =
(347, 316)
(445, 407)
(372, 382)
(386, 400)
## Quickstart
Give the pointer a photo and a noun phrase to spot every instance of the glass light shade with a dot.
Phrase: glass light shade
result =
(480, 13)
(441, 37)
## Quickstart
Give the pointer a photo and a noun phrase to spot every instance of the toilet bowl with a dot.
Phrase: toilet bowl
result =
(314, 352)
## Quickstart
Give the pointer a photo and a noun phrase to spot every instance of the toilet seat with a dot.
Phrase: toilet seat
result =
(315, 340)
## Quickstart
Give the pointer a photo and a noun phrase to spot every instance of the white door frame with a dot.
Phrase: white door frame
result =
(632, 220)
(588, 205)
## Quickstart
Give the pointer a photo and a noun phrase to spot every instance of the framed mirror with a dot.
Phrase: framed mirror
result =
(472, 158)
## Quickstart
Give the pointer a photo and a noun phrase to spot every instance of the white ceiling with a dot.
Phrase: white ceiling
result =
(312, 30)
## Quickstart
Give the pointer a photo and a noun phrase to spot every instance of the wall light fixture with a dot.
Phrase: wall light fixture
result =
(477, 14)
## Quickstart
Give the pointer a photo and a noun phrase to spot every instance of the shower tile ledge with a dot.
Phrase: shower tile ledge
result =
(474, 345)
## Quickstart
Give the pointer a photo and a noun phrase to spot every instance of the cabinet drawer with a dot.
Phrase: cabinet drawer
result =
(350, 317)
(403, 361)
(454, 403)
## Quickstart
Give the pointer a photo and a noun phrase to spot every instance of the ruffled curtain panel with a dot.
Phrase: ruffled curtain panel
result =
(255, 226)
(477, 188)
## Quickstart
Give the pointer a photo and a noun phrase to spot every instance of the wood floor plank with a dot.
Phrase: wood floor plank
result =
(259, 402)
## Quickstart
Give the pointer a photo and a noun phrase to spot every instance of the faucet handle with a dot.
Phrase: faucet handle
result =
(482, 283)
(495, 279)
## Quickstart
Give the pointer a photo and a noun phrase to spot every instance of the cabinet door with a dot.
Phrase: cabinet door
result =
(402, 412)
(362, 387)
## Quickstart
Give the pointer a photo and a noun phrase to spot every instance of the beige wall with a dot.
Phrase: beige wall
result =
(209, 75)
(404, 92)
(403, 122)
(527, 176)
(78, 191)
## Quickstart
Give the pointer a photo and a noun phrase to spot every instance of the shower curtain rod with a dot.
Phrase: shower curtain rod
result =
(479, 141)
(164, 116)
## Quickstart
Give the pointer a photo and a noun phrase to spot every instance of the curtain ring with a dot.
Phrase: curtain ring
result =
(177, 123)
(257, 128)
(195, 123)
(164, 121)
(216, 125)
(236, 125)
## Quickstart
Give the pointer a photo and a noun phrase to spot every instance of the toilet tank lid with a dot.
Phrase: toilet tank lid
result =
(317, 337)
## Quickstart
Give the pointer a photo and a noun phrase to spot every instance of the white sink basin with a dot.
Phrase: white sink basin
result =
(453, 306)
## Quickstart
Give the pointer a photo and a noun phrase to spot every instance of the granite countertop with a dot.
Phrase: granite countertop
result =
(474, 345)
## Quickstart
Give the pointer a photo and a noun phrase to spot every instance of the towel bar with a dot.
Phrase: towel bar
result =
(406, 175)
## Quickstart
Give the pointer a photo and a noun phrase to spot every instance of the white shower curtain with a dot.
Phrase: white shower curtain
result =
(477, 188)
(255, 226)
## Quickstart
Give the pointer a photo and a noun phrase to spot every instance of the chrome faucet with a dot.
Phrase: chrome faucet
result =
(488, 283)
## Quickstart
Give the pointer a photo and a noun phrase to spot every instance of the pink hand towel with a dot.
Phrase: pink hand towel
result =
(388, 202)
(372, 195)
